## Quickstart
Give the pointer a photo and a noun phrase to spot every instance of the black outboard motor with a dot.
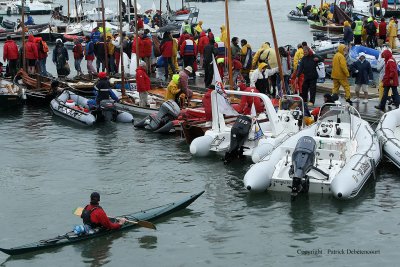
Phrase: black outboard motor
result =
(239, 133)
(162, 121)
(302, 162)
(107, 111)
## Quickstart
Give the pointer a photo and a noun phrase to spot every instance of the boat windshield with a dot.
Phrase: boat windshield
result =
(291, 102)
(335, 113)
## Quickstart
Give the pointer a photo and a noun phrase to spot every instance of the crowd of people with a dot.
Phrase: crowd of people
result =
(257, 70)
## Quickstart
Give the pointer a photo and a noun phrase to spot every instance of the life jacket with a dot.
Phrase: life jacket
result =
(102, 88)
(187, 28)
(221, 49)
(359, 27)
(86, 216)
(189, 47)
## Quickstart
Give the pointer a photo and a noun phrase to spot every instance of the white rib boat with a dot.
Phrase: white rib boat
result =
(253, 137)
(335, 156)
(388, 131)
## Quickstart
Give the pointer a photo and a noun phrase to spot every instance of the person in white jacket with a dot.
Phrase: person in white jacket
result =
(259, 79)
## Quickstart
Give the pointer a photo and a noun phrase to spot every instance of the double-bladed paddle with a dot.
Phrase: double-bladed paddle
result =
(78, 212)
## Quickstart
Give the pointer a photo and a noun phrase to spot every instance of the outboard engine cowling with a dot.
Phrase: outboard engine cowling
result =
(108, 110)
(168, 112)
(302, 162)
(239, 133)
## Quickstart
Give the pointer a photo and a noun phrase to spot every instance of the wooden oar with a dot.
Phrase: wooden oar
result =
(78, 212)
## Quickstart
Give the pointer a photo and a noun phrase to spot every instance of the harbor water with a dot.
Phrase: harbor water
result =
(49, 167)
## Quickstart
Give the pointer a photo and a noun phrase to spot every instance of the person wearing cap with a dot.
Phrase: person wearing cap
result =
(103, 89)
(60, 59)
(94, 216)
(173, 88)
(142, 83)
(362, 71)
(392, 33)
(184, 82)
(10, 54)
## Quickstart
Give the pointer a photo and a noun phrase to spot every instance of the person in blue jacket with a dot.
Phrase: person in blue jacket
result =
(362, 71)
(102, 91)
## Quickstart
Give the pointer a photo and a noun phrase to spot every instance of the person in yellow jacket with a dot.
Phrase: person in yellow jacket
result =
(340, 73)
(174, 58)
(172, 89)
(392, 33)
(297, 84)
(224, 35)
(298, 56)
(265, 54)
(199, 28)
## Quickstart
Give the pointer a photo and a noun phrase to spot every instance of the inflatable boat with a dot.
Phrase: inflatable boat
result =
(388, 132)
(335, 156)
(372, 55)
(252, 136)
(75, 108)
(296, 16)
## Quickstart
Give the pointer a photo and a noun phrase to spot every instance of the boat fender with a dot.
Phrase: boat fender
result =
(200, 146)
(166, 128)
(265, 147)
(125, 117)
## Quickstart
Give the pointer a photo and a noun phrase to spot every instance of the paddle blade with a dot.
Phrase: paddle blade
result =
(78, 211)
(145, 224)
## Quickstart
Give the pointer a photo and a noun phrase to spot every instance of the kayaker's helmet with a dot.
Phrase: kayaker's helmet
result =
(94, 198)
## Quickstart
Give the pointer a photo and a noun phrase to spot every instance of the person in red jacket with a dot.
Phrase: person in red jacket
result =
(31, 54)
(10, 54)
(94, 215)
(188, 50)
(203, 41)
(246, 102)
(382, 32)
(78, 55)
(147, 49)
(390, 80)
(166, 52)
(140, 23)
(142, 83)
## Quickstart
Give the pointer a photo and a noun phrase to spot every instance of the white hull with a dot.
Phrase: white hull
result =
(388, 132)
(347, 160)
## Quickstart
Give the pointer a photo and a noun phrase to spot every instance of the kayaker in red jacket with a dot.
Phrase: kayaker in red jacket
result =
(94, 215)
(10, 54)
(31, 54)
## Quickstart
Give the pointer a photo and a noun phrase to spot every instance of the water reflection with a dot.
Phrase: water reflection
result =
(301, 214)
(148, 242)
(106, 138)
(96, 252)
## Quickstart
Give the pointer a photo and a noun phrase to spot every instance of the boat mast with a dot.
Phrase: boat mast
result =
(76, 11)
(278, 57)
(137, 36)
(121, 61)
(69, 15)
(104, 37)
(23, 34)
(228, 41)
(322, 3)
(160, 13)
